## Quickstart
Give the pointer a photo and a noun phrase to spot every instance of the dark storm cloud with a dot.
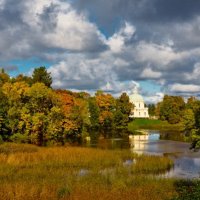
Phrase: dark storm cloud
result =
(49, 18)
(144, 10)
(10, 15)
(155, 20)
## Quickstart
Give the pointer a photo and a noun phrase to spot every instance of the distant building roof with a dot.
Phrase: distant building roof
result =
(135, 97)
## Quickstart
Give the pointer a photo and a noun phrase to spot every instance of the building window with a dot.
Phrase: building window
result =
(139, 113)
(139, 105)
(144, 113)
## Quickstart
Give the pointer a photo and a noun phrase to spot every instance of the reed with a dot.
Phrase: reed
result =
(79, 173)
(152, 164)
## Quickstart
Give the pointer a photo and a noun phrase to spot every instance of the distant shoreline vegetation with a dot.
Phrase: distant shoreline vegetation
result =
(33, 112)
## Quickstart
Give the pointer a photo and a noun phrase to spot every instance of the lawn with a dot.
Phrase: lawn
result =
(152, 124)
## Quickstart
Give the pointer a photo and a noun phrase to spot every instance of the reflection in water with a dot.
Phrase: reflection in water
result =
(140, 143)
(108, 143)
(185, 167)
(186, 162)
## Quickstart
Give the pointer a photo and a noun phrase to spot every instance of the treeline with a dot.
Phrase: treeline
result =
(176, 111)
(32, 112)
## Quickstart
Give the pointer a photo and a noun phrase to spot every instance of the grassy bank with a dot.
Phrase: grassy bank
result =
(29, 172)
(152, 124)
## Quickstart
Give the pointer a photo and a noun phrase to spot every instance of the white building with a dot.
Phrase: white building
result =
(139, 110)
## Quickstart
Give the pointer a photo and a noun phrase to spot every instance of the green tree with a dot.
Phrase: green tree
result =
(188, 120)
(152, 109)
(4, 123)
(94, 113)
(196, 131)
(42, 76)
(122, 112)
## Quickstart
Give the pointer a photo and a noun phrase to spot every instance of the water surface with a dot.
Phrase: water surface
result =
(186, 161)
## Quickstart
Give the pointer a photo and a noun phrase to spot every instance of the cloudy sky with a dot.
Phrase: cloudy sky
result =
(113, 45)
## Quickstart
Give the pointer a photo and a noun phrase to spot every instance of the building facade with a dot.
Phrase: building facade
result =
(139, 110)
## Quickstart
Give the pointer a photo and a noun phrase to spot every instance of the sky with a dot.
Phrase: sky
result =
(114, 46)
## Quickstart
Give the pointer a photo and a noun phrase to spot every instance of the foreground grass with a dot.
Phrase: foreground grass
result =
(151, 124)
(187, 190)
(29, 172)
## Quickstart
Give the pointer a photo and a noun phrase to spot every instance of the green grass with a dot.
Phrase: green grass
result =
(151, 124)
(81, 173)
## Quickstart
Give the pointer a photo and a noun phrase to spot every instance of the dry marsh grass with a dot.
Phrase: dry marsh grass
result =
(79, 173)
(152, 164)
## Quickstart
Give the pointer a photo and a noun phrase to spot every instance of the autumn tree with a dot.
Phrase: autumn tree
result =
(55, 129)
(107, 106)
(41, 100)
(72, 122)
(171, 109)
(23, 78)
(4, 77)
(16, 100)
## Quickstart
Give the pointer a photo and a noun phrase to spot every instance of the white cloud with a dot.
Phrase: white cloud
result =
(195, 73)
(117, 41)
(149, 73)
(78, 70)
(184, 88)
(84, 59)
(157, 97)
(117, 87)
(44, 27)
(71, 30)
(158, 54)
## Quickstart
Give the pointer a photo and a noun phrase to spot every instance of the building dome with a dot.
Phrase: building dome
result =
(136, 98)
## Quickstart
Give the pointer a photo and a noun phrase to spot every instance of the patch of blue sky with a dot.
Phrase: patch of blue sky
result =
(149, 86)
(25, 66)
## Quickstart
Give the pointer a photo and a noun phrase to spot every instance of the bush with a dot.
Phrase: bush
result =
(19, 138)
(1, 140)
(187, 190)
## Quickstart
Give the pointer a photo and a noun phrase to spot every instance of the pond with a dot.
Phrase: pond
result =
(186, 161)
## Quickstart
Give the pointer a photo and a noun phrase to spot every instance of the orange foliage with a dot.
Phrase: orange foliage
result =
(105, 101)
(67, 101)
(105, 115)
(68, 105)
